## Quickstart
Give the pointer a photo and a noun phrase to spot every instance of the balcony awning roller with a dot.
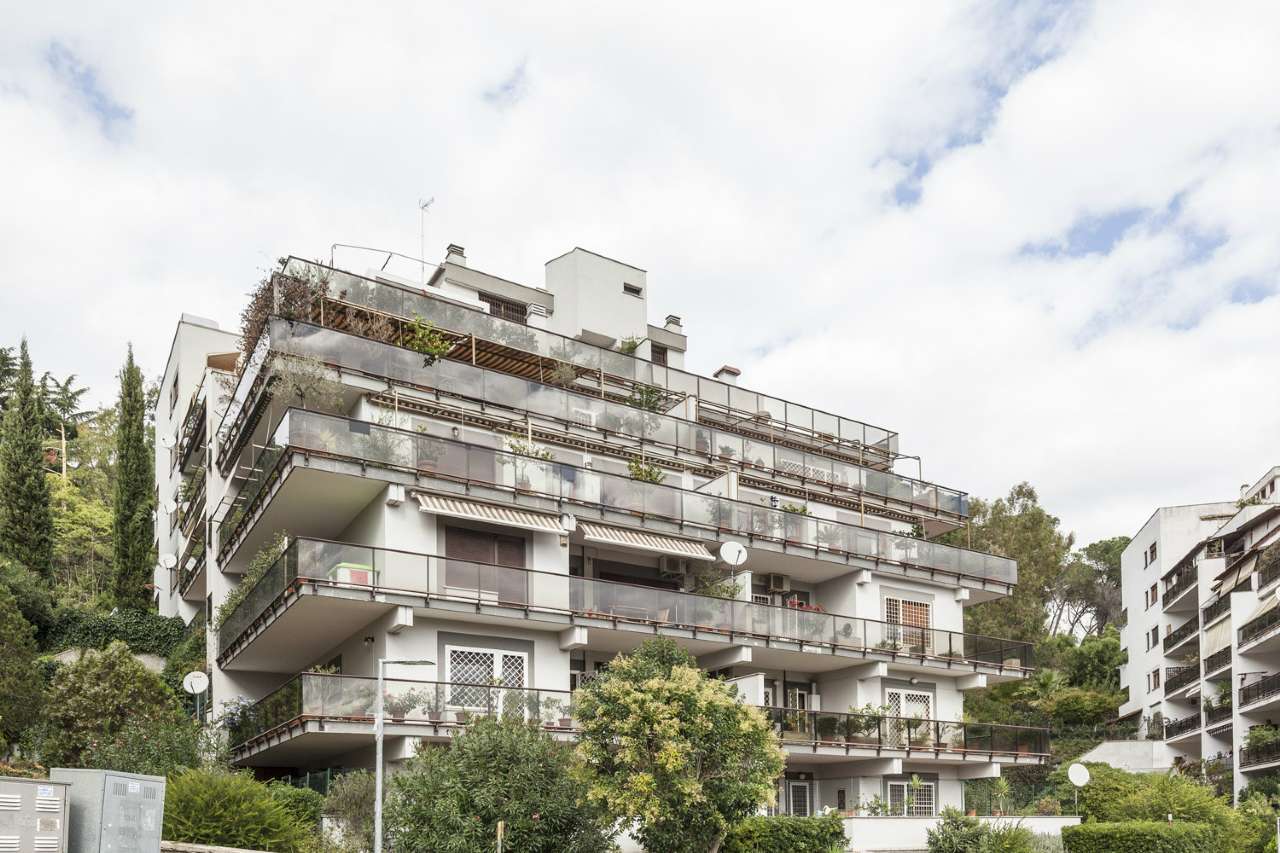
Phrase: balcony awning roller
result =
(640, 540)
(489, 513)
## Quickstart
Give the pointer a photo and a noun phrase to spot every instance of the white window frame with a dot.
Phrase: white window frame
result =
(899, 630)
(793, 784)
(914, 810)
(497, 668)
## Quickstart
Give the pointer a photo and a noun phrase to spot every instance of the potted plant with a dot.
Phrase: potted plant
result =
(727, 452)
(1000, 796)
(431, 704)
(462, 716)
(920, 733)
(566, 713)
(865, 722)
(825, 726)
(399, 704)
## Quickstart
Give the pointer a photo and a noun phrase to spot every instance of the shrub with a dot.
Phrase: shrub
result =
(1268, 786)
(350, 804)
(156, 746)
(229, 809)
(188, 655)
(92, 698)
(143, 633)
(32, 594)
(21, 677)
(303, 804)
(784, 834)
(1007, 838)
(496, 770)
(1188, 801)
(955, 833)
(1139, 836)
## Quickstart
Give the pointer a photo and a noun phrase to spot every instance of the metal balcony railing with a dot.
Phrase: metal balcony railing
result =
(1180, 583)
(695, 513)
(1263, 688)
(1174, 728)
(579, 409)
(1216, 610)
(1251, 755)
(1176, 677)
(315, 696)
(1217, 715)
(1256, 628)
(1218, 660)
(1182, 632)
(339, 564)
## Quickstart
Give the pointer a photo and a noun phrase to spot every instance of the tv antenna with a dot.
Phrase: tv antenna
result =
(422, 227)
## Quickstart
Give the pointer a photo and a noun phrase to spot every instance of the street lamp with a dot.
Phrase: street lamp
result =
(377, 740)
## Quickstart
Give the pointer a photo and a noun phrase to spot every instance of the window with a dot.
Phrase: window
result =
(1153, 638)
(658, 354)
(486, 565)
(914, 618)
(631, 289)
(468, 669)
(917, 801)
(903, 706)
(1153, 596)
(507, 309)
(1153, 680)
(173, 392)
(1151, 553)
(798, 798)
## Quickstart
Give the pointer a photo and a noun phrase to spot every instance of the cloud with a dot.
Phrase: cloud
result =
(1037, 239)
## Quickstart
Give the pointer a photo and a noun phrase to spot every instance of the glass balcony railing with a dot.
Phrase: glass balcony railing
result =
(578, 409)
(786, 416)
(696, 513)
(317, 696)
(340, 564)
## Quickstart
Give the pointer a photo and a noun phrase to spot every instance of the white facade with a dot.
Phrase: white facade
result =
(1205, 655)
(483, 513)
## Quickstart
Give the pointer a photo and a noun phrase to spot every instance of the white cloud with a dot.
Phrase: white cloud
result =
(747, 156)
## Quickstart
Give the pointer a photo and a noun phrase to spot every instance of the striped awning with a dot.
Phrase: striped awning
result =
(640, 540)
(490, 513)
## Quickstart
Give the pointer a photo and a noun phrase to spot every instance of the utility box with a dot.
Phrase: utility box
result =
(113, 812)
(33, 816)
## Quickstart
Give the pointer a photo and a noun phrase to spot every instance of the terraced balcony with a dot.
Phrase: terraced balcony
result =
(319, 591)
(1177, 677)
(1263, 694)
(440, 464)
(1175, 729)
(314, 715)
(1181, 634)
(1217, 661)
(461, 391)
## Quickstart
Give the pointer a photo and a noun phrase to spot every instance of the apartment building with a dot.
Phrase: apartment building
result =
(509, 485)
(1200, 590)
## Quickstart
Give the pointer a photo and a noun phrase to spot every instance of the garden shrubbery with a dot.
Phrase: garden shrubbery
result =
(784, 834)
(232, 810)
(1140, 836)
(142, 632)
(958, 833)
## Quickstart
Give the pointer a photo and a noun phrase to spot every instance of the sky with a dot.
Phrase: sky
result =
(1041, 241)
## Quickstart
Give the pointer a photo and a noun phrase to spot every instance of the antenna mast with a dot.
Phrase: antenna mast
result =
(422, 222)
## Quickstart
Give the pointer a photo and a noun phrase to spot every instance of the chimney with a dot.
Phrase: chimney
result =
(728, 374)
(455, 254)
(673, 324)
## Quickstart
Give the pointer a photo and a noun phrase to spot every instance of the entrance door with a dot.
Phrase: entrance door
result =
(903, 706)
(799, 798)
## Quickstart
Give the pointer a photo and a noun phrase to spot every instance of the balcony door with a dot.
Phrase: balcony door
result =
(905, 703)
(799, 798)
(485, 679)
(483, 565)
(918, 801)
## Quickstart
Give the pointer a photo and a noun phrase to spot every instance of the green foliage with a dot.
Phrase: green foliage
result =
(143, 633)
(786, 834)
(1085, 596)
(31, 593)
(132, 532)
(1268, 786)
(955, 833)
(645, 472)
(302, 804)
(672, 750)
(21, 683)
(1262, 735)
(1096, 662)
(645, 397)
(629, 345)
(350, 804)
(451, 798)
(232, 810)
(305, 381)
(1115, 796)
(426, 340)
(188, 655)
(26, 525)
(92, 698)
(157, 745)
(257, 570)
(82, 544)
(1139, 836)
(1258, 819)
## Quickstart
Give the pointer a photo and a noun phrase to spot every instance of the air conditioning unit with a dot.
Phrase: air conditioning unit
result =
(672, 568)
(584, 417)
(779, 583)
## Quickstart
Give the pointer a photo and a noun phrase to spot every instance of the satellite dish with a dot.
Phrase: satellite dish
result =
(168, 507)
(733, 553)
(1078, 774)
(166, 441)
(195, 682)
(168, 561)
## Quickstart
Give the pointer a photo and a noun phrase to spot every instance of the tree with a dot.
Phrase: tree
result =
(20, 681)
(1097, 660)
(1016, 526)
(230, 809)
(132, 530)
(91, 700)
(674, 751)
(82, 552)
(451, 798)
(26, 526)
(62, 412)
(1087, 595)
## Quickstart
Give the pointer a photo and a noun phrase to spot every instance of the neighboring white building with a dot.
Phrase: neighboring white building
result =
(1202, 628)
(491, 512)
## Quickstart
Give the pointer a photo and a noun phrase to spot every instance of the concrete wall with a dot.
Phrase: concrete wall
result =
(877, 834)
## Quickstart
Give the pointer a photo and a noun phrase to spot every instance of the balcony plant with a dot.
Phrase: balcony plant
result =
(646, 397)
(645, 472)
(521, 451)
(865, 723)
(825, 725)
(397, 705)
(1262, 735)
(727, 452)
(629, 345)
(566, 713)
(1000, 791)
(919, 731)
(432, 705)
(426, 340)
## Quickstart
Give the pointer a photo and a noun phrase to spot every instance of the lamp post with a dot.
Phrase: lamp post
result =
(377, 739)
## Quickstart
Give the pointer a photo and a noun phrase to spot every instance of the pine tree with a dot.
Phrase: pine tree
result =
(133, 500)
(26, 524)
(20, 681)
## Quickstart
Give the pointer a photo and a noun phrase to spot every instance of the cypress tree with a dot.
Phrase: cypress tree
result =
(133, 498)
(26, 524)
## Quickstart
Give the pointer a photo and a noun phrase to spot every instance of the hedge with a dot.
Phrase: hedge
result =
(1138, 836)
(784, 834)
(143, 633)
